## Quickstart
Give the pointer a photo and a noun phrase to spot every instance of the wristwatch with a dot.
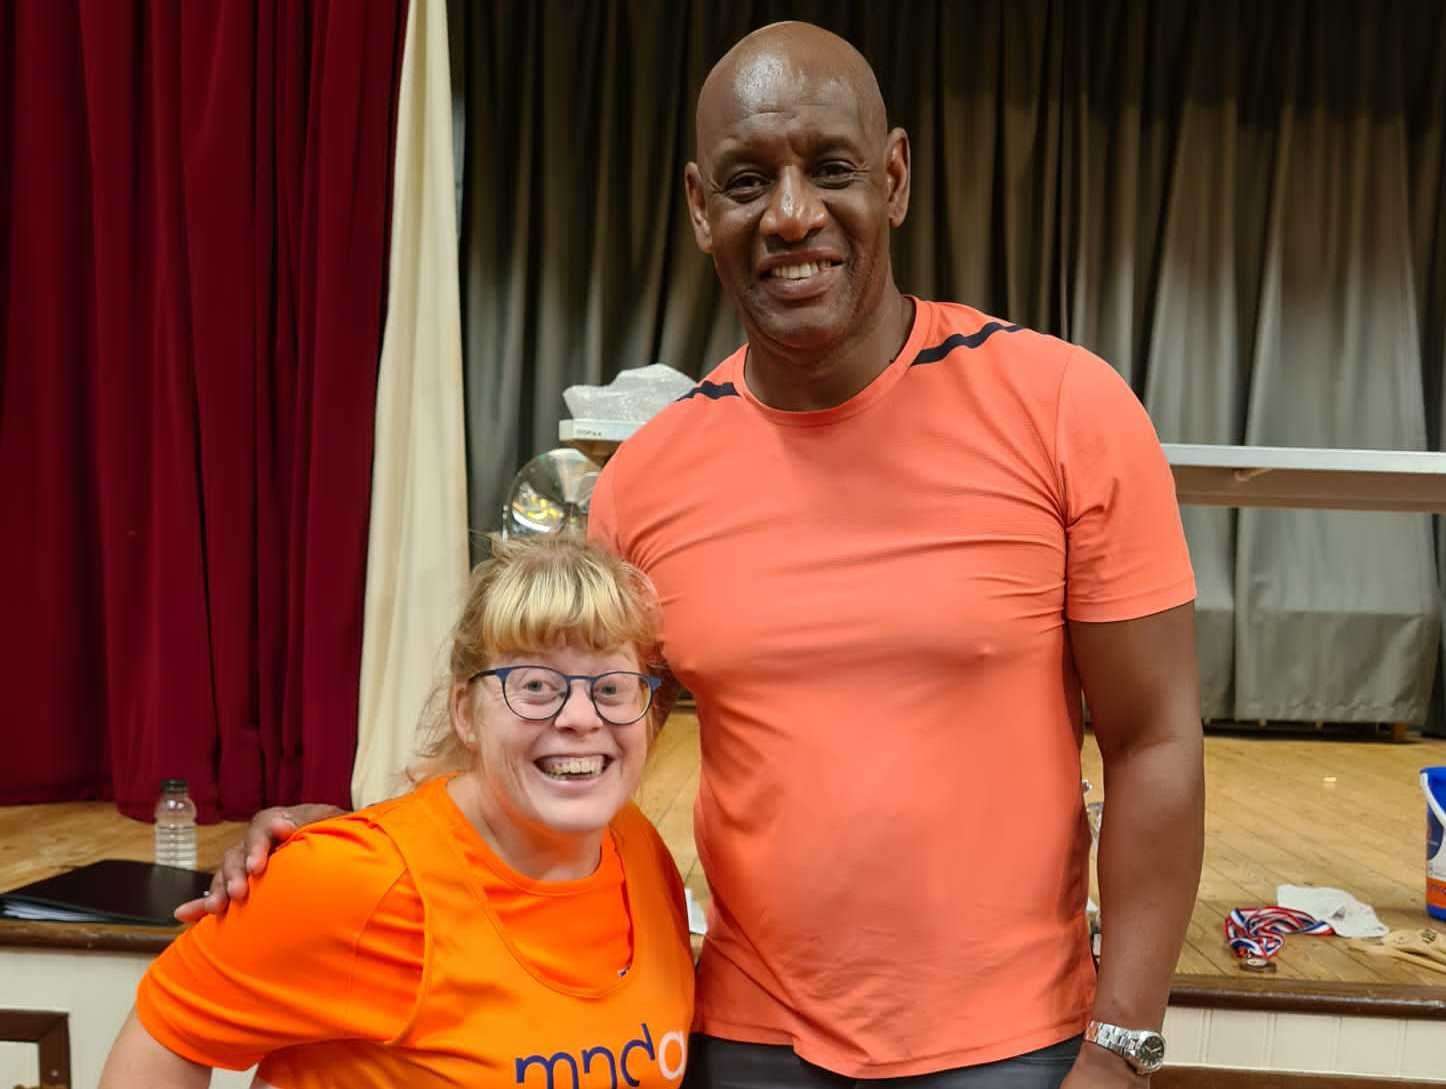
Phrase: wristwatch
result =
(1143, 1049)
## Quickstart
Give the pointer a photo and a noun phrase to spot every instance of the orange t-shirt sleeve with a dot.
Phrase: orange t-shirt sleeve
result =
(676, 889)
(1127, 555)
(602, 528)
(328, 945)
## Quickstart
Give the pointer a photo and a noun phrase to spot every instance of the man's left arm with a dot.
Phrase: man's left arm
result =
(1141, 684)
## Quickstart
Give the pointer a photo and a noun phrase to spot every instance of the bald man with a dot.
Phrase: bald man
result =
(893, 540)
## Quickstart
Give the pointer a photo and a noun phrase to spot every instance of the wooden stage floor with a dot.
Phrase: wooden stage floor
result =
(1280, 810)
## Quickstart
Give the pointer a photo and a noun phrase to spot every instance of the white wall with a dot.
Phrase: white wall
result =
(19, 1064)
(97, 990)
(1307, 1043)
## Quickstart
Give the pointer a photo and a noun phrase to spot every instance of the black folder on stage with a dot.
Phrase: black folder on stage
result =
(112, 891)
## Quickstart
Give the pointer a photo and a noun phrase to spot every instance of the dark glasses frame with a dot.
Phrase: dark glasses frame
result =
(501, 673)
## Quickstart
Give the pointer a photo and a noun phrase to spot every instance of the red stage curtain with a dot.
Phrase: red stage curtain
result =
(195, 207)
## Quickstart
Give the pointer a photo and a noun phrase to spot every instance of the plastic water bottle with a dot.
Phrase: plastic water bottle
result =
(175, 826)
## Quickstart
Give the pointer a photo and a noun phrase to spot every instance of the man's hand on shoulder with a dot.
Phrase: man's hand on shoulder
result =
(244, 860)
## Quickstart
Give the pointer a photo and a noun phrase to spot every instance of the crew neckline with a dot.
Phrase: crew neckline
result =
(607, 869)
(452, 814)
(861, 401)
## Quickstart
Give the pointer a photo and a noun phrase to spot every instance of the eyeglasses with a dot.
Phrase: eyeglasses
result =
(539, 693)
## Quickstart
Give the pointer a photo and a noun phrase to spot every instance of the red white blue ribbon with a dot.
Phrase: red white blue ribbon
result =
(1260, 932)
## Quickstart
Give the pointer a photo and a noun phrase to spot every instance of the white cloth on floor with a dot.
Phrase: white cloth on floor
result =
(1346, 915)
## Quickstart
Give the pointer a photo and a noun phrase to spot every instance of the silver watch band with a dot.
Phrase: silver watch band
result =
(1142, 1049)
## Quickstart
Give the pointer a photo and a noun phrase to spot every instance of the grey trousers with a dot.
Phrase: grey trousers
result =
(725, 1064)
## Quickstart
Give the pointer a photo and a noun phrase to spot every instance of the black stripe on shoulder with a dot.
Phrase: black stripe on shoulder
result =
(711, 390)
(963, 340)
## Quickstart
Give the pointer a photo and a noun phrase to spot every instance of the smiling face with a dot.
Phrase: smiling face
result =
(797, 186)
(548, 780)
(542, 790)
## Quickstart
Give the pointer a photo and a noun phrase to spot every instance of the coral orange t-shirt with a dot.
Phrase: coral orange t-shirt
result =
(374, 936)
(870, 605)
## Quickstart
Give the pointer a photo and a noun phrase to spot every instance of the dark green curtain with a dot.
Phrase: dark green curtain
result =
(1242, 206)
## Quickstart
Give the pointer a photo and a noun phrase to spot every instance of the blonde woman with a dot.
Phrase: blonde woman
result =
(514, 920)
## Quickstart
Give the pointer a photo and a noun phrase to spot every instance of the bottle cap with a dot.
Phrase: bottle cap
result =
(173, 784)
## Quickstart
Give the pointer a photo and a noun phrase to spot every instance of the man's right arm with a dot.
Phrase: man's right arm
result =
(602, 530)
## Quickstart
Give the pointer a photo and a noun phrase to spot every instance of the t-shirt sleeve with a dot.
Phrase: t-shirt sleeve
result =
(602, 512)
(328, 945)
(1127, 555)
(672, 878)
(676, 890)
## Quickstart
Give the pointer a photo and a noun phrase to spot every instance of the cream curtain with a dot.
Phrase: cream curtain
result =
(417, 554)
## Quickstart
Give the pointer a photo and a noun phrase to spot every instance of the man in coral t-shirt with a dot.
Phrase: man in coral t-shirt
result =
(893, 540)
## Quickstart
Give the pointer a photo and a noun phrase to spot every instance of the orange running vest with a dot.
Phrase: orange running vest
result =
(483, 1018)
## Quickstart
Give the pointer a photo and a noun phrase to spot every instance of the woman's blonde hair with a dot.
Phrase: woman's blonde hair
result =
(535, 594)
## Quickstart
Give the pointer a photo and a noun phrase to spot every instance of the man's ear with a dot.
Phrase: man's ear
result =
(698, 207)
(897, 170)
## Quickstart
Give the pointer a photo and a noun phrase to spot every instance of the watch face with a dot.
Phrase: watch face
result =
(1151, 1051)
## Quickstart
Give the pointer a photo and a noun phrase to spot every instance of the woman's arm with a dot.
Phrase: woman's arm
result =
(137, 1061)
